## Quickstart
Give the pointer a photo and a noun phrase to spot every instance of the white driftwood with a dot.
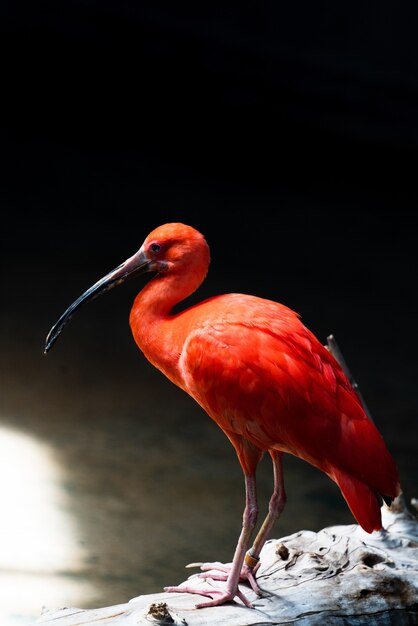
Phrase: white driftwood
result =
(338, 576)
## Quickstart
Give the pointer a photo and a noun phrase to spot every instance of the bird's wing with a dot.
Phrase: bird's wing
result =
(261, 383)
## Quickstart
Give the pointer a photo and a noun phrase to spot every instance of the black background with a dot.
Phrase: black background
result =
(133, 108)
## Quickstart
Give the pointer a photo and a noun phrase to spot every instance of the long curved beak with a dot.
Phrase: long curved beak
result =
(132, 267)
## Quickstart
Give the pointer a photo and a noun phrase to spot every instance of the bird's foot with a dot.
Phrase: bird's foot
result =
(220, 571)
(219, 596)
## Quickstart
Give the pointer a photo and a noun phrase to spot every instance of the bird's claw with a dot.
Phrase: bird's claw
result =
(220, 571)
(223, 594)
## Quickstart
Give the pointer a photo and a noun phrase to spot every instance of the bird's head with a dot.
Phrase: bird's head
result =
(173, 247)
(169, 249)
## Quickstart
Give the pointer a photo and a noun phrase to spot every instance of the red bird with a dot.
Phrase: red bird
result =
(263, 377)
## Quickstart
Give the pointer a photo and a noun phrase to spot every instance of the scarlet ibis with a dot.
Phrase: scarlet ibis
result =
(263, 377)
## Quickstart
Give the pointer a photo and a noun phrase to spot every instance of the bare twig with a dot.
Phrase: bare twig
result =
(334, 348)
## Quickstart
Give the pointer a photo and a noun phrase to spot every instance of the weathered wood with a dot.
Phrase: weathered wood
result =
(338, 576)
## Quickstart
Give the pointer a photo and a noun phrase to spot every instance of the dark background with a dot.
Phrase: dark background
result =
(286, 133)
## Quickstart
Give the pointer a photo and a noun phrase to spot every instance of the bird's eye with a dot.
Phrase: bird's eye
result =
(155, 247)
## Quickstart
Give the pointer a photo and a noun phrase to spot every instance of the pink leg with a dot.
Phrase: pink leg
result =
(252, 557)
(236, 570)
(276, 506)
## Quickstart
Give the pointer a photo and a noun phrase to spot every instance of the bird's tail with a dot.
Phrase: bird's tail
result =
(364, 503)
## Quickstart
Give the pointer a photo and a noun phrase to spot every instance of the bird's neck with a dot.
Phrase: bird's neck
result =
(159, 334)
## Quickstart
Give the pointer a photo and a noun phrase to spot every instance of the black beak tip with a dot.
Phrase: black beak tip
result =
(50, 340)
